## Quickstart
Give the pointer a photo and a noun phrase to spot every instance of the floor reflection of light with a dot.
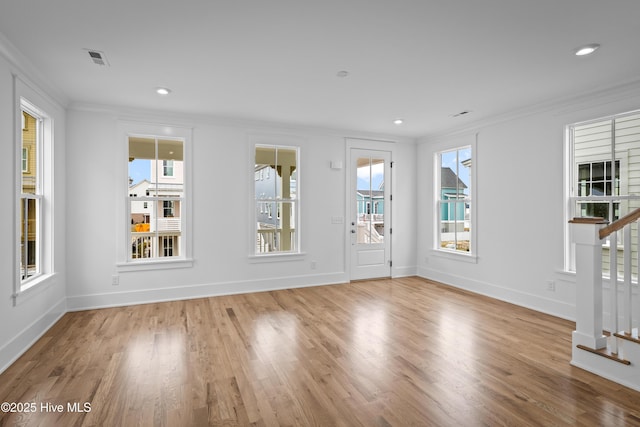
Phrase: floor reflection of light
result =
(276, 336)
(370, 331)
(156, 358)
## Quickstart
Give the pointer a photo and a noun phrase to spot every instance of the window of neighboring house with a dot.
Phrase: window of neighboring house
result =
(454, 200)
(604, 176)
(167, 167)
(160, 233)
(25, 158)
(276, 190)
(167, 208)
(34, 194)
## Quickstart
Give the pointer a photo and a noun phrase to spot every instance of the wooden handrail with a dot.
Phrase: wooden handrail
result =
(620, 223)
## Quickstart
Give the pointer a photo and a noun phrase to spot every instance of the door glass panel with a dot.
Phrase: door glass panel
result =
(370, 200)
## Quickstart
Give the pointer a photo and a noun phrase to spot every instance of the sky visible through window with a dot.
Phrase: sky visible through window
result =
(139, 169)
(377, 176)
(463, 172)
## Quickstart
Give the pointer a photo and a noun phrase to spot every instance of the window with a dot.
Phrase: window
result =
(167, 208)
(604, 175)
(157, 225)
(167, 167)
(34, 194)
(25, 156)
(276, 190)
(454, 202)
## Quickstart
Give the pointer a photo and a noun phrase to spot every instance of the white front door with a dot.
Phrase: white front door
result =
(370, 213)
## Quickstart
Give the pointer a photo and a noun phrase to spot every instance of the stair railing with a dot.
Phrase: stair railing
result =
(588, 236)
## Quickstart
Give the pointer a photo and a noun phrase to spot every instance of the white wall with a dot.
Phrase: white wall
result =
(520, 203)
(37, 309)
(222, 206)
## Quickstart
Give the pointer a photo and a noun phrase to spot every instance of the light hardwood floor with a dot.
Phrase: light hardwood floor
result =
(394, 352)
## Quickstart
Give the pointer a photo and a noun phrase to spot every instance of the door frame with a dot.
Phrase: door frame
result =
(374, 145)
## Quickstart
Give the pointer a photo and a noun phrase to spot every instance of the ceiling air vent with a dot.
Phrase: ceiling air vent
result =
(97, 57)
(461, 113)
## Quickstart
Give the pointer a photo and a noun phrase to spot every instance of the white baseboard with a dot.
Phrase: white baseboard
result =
(534, 302)
(403, 271)
(21, 342)
(174, 293)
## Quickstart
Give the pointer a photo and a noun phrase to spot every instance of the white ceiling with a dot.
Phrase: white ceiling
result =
(276, 60)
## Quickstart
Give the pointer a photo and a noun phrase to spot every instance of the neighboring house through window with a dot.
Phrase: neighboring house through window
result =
(276, 190)
(454, 200)
(604, 176)
(35, 195)
(156, 170)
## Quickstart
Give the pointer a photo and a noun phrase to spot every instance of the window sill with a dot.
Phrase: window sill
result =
(34, 286)
(277, 257)
(151, 265)
(458, 256)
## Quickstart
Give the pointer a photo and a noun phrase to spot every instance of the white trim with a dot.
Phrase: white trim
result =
(25, 339)
(383, 146)
(129, 128)
(154, 264)
(523, 299)
(277, 257)
(255, 140)
(205, 290)
(470, 141)
(26, 98)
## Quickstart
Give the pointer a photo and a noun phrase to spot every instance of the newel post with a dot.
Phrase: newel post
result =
(585, 232)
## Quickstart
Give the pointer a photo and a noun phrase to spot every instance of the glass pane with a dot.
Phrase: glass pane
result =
(464, 171)
(266, 215)
(167, 216)
(455, 190)
(168, 245)
(142, 152)
(29, 153)
(363, 200)
(28, 237)
(141, 215)
(265, 176)
(170, 165)
(141, 246)
(370, 200)
(286, 167)
(286, 236)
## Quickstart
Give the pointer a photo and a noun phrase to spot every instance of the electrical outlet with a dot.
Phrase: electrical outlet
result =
(115, 280)
(313, 265)
(551, 285)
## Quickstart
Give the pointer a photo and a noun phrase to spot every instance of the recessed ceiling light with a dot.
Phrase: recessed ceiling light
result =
(587, 49)
(163, 91)
(398, 121)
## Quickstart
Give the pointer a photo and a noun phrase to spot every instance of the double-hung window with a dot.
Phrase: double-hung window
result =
(276, 199)
(34, 195)
(454, 203)
(156, 197)
(604, 176)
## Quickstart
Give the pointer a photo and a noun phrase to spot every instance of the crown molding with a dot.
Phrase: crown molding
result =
(558, 106)
(29, 73)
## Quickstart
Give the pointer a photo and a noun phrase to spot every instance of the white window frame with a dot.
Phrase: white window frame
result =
(124, 262)
(286, 142)
(37, 105)
(458, 144)
(270, 202)
(571, 183)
